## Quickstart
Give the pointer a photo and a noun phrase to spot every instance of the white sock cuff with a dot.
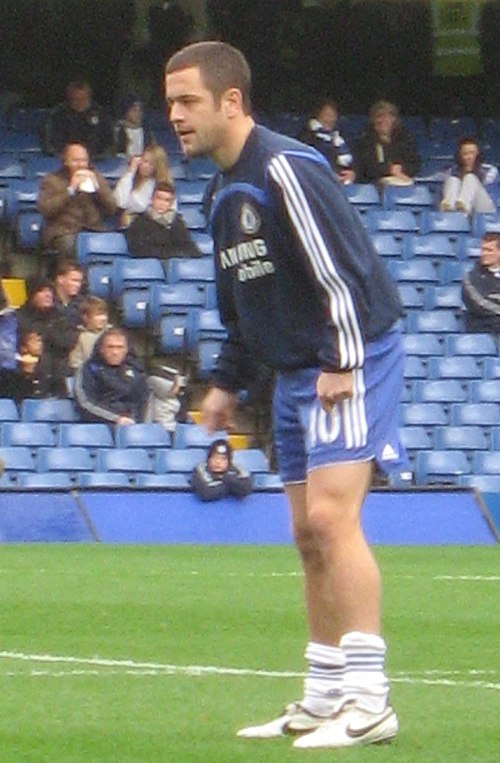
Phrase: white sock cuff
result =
(323, 654)
(356, 639)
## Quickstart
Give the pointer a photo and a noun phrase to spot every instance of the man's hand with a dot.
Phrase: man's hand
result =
(332, 387)
(217, 409)
(124, 421)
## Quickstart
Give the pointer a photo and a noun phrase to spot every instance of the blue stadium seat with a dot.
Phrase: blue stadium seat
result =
(38, 165)
(127, 460)
(451, 223)
(414, 198)
(416, 367)
(195, 436)
(471, 344)
(454, 367)
(103, 479)
(363, 196)
(416, 271)
(495, 438)
(182, 460)
(491, 368)
(28, 230)
(485, 391)
(29, 434)
(433, 321)
(22, 196)
(433, 245)
(460, 438)
(251, 459)
(203, 241)
(394, 220)
(199, 270)
(47, 480)
(209, 325)
(469, 248)
(10, 168)
(475, 414)
(267, 482)
(133, 306)
(387, 244)
(99, 279)
(416, 438)
(170, 481)
(423, 344)
(451, 271)
(134, 272)
(207, 352)
(70, 460)
(147, 436)
(452, 128)
(200, 168)
(486, 462)
(8, 410)
(193, 217)
(423, 414)
(448, 297)
(411, 296)
(441, 391)
(178, 298)
(100, 246)
(89, 436)
(18, 459)
(440, 466)
(112, 168)
(49, 409)
(177, 333)
(190, 191)
(485, 222)
(486, 483)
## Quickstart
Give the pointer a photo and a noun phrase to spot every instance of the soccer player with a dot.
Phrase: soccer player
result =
(301, 289)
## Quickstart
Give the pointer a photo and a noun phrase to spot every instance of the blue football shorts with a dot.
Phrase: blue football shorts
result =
(362, 428)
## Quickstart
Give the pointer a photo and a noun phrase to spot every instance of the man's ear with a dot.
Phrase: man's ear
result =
(232, 102)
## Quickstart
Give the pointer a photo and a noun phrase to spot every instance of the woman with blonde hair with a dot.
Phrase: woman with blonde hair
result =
(134, 190)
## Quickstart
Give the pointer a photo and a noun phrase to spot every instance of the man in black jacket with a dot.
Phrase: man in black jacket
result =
(218, 477)
(481, 289)
(161, 231)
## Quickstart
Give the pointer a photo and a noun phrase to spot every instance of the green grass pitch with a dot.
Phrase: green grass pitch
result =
(114, 654)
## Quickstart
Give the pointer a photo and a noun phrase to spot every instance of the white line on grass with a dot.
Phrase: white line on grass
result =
(131, 667)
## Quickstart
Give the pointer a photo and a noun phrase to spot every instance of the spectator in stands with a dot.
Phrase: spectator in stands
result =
(111, 386)
(322, 133)
(74, 198)
(161, 231)
(36, 374)
(131, 135)
(386, 153)
(40, 314)
(134, 190)
(79, 119)
(481, 288)
(218, 477)
(466, 186)
(94, 314)
(8, 333)
(68, 283)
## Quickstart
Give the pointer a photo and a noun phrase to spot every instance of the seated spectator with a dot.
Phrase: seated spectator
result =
(79, 119)
(166, 387)
(68, 283)
(321, 132)
(386, 153)
(481, 289)
(8, 333)
(111, 386)
(36, 375)
(134, 190)
(131, 135)
(161, 231)
(465, 187)
(73, 199)
(94, 314)
(218, 477)
(40, 314)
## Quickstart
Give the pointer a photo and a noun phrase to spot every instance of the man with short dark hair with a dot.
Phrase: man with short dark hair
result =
(68, 283)
(481, 289)
(301, 289)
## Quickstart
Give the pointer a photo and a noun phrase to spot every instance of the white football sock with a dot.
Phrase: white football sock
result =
(323, 684)
(365, 680)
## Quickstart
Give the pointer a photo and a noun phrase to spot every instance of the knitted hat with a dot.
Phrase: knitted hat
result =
(222, 448)
(37, 283)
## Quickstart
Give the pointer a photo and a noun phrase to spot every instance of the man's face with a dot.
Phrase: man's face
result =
(199, 123)
(70, 283)
(43, 299)
(490, 254)
(162, 201)
(76, 158)
(79, 98)
(32, 344)
(114, 350)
